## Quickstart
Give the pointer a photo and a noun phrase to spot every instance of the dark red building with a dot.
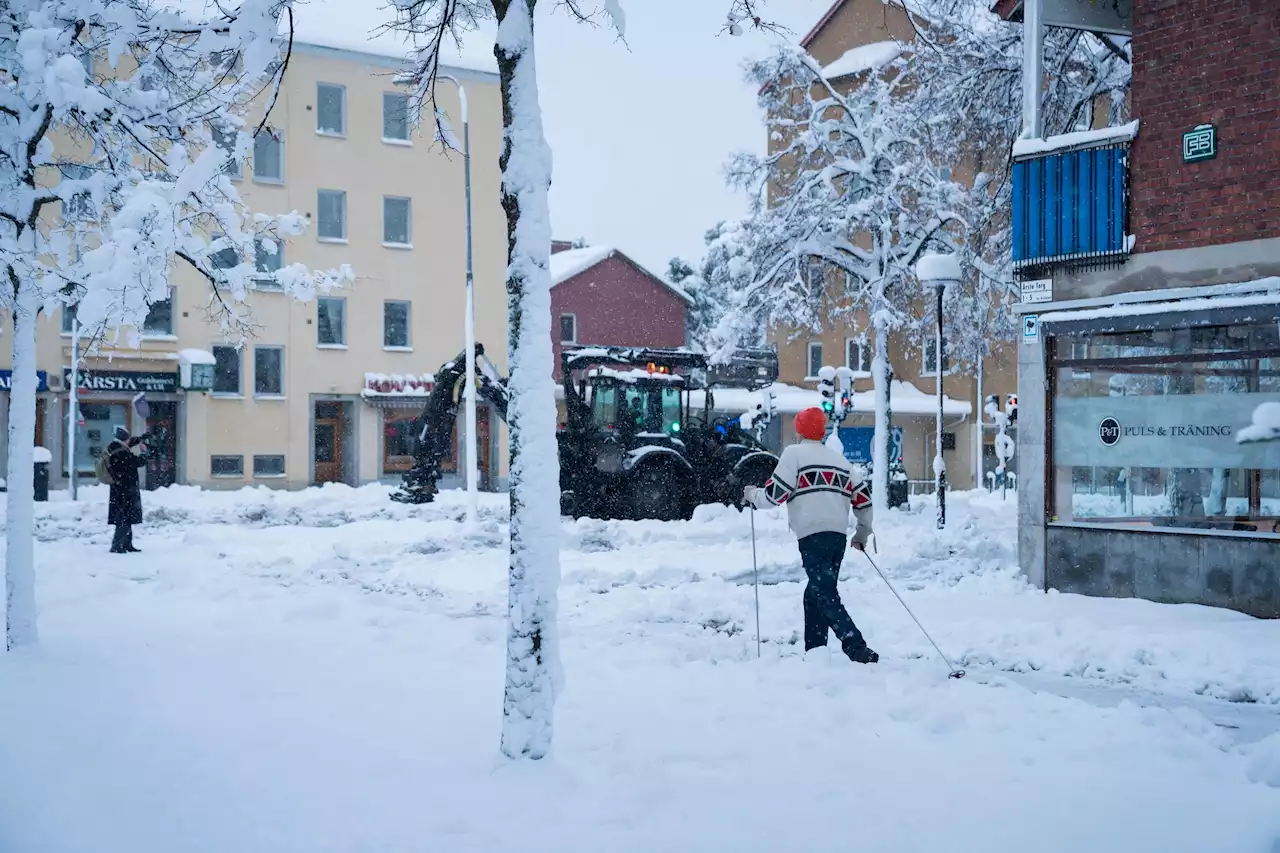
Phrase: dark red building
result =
(599, 296)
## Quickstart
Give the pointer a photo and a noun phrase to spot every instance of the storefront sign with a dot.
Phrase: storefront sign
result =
(1166, 431)
(858, 441)
(1200, 144)
(124, 381)
(6, 380)
(1031, 329)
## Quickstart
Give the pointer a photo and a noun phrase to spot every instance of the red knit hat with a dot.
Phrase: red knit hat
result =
(811, 424)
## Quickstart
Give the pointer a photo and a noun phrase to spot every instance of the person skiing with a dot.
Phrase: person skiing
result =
(819, 486)
(124, 508)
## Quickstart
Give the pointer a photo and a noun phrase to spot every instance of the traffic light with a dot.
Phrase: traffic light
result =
(1011, 407)
(827, 388)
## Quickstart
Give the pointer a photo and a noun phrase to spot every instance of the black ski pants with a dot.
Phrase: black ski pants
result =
(821, 555)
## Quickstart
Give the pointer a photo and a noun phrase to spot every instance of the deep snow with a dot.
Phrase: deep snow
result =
(323, 671)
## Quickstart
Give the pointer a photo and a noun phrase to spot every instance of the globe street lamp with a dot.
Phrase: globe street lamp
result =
(939, 271)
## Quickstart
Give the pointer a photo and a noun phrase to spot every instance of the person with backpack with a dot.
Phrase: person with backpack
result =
(819, 487)
(118, 467)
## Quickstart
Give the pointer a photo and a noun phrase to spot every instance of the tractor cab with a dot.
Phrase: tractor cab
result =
(636, 403)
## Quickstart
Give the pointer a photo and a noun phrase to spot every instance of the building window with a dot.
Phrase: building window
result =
(225, 258)
(395, 221)
(79, 207)
(815, 359)
(395, 117)
(331, 213)
(226, 370)
(225, 138)
(1143, 428)
(268, 466)
(857, 356)
(331, 321)
(268, 259)
(268, 157)
(568, 329)
(226, 466)
(268, 371)
(930, 367)
(331, 109)
(399, 440)
(159, 322)
(395, 325)
(69, 317)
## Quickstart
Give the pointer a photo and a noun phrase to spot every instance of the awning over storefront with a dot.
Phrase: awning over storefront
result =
(397, 391)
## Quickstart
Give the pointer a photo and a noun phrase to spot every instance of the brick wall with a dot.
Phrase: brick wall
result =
(1197, 62)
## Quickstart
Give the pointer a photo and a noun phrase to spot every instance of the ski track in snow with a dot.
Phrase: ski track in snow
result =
(322, 670)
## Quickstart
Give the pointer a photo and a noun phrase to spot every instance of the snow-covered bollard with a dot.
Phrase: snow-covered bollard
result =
(1265, 426)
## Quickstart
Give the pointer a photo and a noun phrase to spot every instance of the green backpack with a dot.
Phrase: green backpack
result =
(103, 471)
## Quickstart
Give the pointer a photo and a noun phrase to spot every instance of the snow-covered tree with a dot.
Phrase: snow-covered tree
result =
(854, 200)
(118, 124)
(724, 267)
(533, 571)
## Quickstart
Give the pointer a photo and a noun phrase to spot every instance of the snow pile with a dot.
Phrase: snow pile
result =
(906, 399)
(1264, 766)
(1265, 426)
(180, 686)
(934, 268)
(1072, 141)
(397, 385)
(864, 57)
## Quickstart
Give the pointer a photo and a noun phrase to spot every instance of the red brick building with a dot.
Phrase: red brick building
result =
(599, 296)
(1149, 258)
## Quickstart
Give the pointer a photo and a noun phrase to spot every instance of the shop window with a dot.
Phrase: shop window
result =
(227, 466)
(395, 117)
(268, 371)
(159, 320)
(226, 370)
(395, 325)
(95, 427)
(268, 466)
(331, 321)
(399, 440)
(331, 109)
(1144, 429)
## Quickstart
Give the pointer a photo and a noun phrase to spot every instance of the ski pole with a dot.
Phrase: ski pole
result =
(955, 673)
(755, 577)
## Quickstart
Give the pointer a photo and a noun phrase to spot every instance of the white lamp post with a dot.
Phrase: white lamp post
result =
(939, 271)
(470, 381)
(73, 406)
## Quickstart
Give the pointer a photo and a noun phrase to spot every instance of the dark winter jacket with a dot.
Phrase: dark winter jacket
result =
(125, 506)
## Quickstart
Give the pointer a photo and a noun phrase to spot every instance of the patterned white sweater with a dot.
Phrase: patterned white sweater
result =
(819, 487)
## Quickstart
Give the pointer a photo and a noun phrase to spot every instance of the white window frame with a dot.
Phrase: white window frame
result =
(407, 346)
(216, 476)
(858, 372)
(238, 394)
(321, 238)
(267, 395)
(266, 284)
(279, 140)
(233, 169)
(407, 141)
(408, 222)
(924, 358)
(808, 360)
(341, 344)
(341, 132)
(284, 473)
(560, 331)
(172, 334)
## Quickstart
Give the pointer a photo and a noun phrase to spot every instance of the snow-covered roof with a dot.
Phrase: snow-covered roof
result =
(397, 385)
(864, 57)
(906, 399)
(196, 356)
(635, 374)
(566, 265)
(1080, 139)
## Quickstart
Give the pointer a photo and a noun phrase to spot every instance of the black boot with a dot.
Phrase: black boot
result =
(860, 653)
(128, 543)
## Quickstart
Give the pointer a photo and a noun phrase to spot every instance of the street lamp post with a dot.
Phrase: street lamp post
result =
(939, 271)
(73, 407)
(470, 381)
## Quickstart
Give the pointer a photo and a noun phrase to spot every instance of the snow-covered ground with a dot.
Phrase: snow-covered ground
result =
(322, 671)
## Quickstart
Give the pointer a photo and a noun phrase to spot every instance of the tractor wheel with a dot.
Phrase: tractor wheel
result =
(656, 492)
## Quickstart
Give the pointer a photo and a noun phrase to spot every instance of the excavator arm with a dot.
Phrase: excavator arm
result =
(434, 426)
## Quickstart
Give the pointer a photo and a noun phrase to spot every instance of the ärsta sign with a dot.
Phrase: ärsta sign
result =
(6, 380)
(124, 380)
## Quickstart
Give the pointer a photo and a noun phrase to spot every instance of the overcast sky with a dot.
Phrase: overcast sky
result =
(639, 131)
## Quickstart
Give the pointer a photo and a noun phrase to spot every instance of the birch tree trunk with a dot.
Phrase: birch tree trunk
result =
(533, 666)
(883, 439)
(19, 557)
